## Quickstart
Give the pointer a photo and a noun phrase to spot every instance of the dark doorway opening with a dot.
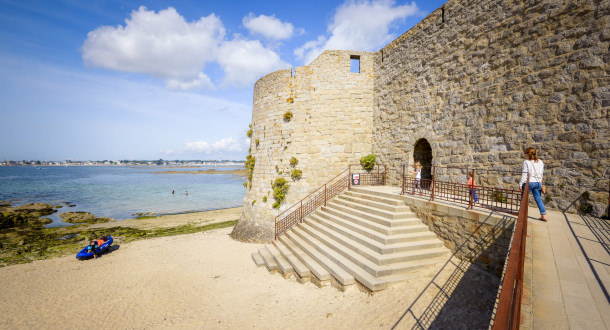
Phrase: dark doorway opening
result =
(422, 153)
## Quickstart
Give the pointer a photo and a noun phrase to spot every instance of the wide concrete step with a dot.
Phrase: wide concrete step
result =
(377, 193)
(361, 235)
(302, 271)
(354, 212)
(258, 260)
(314, 267)
(312, 248)
(268, 258)
(284, 266)
(346, 227)
(432, 250)
(375, 204)
(379, 199)
(341, 254)
(356, 240)
(383, 214)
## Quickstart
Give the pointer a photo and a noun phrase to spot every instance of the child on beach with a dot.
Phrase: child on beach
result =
(472, 187)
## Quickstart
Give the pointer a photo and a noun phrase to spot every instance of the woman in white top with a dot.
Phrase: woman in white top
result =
(535, 168)
(417, 173)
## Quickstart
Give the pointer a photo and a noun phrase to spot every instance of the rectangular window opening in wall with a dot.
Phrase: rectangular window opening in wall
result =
(354, 63)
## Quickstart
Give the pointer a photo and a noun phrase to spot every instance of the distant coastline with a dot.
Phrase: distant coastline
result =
(240, 172)
(160, 162)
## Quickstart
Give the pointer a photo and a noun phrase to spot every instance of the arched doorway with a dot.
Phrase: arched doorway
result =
(422, 153)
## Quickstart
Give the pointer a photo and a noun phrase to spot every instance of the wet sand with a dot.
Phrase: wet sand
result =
(208, 280)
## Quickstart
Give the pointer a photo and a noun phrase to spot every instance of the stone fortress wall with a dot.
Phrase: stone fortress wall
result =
(331, 127)
(477, 81)
(482, 80)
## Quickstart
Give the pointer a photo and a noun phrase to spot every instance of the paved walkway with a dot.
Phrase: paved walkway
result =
(567, 270)
(567, 273)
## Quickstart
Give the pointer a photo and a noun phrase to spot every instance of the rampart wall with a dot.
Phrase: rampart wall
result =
(482, 80)
(478, 80)
(331, 127)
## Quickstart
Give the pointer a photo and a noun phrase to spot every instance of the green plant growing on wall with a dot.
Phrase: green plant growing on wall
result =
(253, 202)
(296, 174)
(368, 162)
(294, 161)
(249, 165)
(249, 133)
(257, 142)
(264, 199)
(585, 208)
(499, 197)
(547, 198)
(280, 189)
(288, 116)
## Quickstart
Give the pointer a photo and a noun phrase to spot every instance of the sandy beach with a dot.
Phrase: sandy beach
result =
(208, 280)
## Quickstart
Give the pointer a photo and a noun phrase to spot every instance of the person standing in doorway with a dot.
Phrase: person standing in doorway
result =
(417, 177)
(535, 168)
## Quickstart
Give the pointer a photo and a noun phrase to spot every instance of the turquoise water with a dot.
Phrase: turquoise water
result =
(120, 192)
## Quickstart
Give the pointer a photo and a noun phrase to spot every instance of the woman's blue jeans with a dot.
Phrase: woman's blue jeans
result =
(536, 190)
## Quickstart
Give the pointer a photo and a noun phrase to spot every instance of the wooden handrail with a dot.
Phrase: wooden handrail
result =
(508, 314)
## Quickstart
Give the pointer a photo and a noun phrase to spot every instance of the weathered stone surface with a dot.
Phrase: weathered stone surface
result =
(556, 84)
(479, 80)
(331, 127)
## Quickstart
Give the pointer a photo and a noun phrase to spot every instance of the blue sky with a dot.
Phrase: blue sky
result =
(96, 80)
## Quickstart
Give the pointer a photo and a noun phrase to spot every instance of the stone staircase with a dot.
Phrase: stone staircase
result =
(363, 236)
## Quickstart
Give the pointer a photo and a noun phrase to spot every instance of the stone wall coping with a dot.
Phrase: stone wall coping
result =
(488, 217)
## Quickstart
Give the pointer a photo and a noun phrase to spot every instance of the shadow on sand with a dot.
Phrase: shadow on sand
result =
(466, 298)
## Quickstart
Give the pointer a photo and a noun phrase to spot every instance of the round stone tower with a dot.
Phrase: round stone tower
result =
(317, 120)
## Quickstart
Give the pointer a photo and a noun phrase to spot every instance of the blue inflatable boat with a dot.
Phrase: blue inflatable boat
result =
(105, 241)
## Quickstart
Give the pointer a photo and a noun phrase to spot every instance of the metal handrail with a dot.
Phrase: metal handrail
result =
(298, 213)
(497, 199)
(286, 220)
(371, 173)
(508, 314)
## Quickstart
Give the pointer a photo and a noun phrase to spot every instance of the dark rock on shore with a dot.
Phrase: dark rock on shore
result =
(82, 217)
(25, 215)
(35, 209)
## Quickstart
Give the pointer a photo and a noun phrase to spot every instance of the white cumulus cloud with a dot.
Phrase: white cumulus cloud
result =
(244, 61)
(163, 44)
(358, 25)
(268, 26)
(203, 147)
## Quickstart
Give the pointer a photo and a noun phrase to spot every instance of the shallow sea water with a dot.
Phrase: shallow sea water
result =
(120, 192)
